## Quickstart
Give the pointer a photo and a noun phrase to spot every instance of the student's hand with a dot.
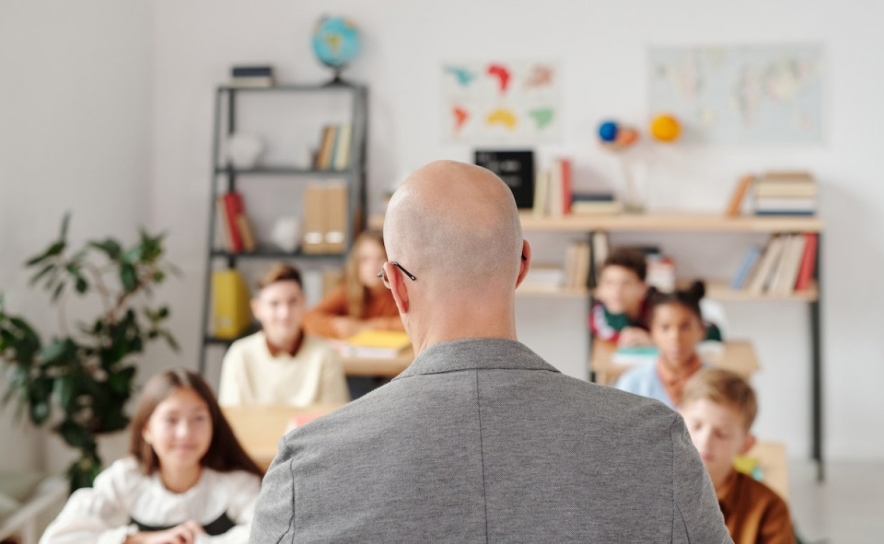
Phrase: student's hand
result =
(346, 327)
(634, 336)
(186, 533)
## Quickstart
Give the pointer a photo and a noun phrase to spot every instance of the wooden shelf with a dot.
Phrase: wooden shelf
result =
(674, 222)
(684, 222)
(284, 171)
(562, 292)
(721, 291)
(276, 254)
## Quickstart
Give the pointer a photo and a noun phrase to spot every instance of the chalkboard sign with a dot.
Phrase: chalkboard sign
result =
(515, 168)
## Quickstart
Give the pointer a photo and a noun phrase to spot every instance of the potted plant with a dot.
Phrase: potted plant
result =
(81, 380)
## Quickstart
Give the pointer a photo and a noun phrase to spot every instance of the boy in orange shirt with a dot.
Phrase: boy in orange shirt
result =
(719, 408)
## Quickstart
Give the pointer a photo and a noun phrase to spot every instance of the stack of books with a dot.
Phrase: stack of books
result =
(786, 265)
(552, 190)
(238, 236)
(785, 193)
(252, 76)
(661, 272)
(577, 259)
(544, 277)
(334, 148)
(585, 203)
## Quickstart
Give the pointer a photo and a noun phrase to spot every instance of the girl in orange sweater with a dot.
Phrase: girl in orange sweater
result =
(361, 302)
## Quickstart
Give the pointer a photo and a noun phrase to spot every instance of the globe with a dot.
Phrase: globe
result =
(336, 42)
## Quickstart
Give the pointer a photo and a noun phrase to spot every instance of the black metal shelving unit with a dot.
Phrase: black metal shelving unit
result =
(225, 178)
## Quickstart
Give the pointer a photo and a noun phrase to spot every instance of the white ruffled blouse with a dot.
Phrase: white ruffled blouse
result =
(124, 498)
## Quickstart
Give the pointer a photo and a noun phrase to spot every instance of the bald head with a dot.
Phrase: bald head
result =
(457, 225)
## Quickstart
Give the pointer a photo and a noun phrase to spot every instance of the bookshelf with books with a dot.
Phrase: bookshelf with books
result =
(331, 204)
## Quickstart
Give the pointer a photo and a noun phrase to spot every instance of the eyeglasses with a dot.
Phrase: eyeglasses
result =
(383, 275)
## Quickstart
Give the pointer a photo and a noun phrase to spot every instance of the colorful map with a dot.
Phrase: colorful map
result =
(751, 94)
(509, 102)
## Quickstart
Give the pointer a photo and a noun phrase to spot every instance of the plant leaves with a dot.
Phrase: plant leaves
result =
(127, 277)
(54, 250)
(36, 277)
(133, 255)
(110, 247)
(39, 412)
(170, 340)
(59, 289)
(64, 225)
(82, 285)
(52, 352)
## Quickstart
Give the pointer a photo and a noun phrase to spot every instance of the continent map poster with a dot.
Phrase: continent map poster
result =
(514, 102)
(741, 94)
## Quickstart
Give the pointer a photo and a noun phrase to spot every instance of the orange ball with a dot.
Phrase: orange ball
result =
(665, 128)
(626, 136)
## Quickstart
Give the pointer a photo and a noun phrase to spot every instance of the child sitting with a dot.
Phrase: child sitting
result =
(620, 310)
(281, 364)
(718, 408)
(361, 302)
(676, 329)
(187, 479)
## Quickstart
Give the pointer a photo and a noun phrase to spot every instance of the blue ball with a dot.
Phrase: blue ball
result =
(608, 131)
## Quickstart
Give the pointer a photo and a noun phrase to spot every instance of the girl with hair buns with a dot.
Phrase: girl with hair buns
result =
(676, 326)
(361, 302)
(186, 478)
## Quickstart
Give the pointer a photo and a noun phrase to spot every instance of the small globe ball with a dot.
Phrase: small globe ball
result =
(665, 128)
(336, 41)
(608, 131)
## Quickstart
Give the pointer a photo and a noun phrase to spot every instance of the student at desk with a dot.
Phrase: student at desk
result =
(718, 409)
(361, 302)
(281, 364)
(676, 329)
(186, 479)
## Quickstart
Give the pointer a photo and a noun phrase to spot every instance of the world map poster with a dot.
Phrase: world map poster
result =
(501, 102)
(745, 94)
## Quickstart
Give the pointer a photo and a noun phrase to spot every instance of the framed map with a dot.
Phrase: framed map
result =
(501, 102)
(748, 94)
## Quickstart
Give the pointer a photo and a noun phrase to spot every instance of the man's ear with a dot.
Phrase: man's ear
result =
(398, 286)
(525, 263)
(748, 444)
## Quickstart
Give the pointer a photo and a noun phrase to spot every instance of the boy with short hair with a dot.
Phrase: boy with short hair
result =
(620, 310)
(719, 408)
(281, 364)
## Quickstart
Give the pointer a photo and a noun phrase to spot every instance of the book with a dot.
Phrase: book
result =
(326, 147)
(541, 195)
(515, 168)
(631, 355)
(736, 203)
(593, 208)
(787, 270)
(252, 82)
(808, 263)
(746, 266)
(262, 70)
(376, 344)
(766, 266)
(313, 240)
(771, 204)
(335, 210)
(245, 232)
(564, 166)
(546, 277)
(231, 206)
(232, 315)
(584, 255)
(787, 176)
(342, 148)
(225, 225)
(556, 187)
(782, 189)
(599, 253)
(592, 197)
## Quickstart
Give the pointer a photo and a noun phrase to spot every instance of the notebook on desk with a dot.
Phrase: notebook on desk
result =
(375, 344)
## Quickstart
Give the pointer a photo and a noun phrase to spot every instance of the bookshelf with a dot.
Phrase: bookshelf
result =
(720, 290)
(226, 178)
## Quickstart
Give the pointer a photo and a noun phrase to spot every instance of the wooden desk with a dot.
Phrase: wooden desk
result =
(259, 428)
(774, 467)
(737, 356)
(382, 368)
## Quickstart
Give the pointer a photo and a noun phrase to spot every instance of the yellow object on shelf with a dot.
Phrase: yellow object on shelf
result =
(232, 315)
(376, 344)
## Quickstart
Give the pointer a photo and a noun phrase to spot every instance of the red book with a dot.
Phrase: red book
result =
(808, 263)
(233, 204)
(565, 165)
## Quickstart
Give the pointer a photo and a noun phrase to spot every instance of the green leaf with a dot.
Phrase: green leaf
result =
(133, 255)
(53, 351)
(163, 312)
(121, 382)
(59, 289)
(74, 434)
(159, 276)
(46, 269)
(39, 412)
(54, 250)
(82, 285)
(170, 340)
(64, 225)
(64, 391)
(110, 247)
(127, 277)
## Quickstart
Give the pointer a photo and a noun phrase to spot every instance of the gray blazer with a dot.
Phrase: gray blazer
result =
(483, 441)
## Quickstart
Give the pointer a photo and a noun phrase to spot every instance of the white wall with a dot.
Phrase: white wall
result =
(74, 135)
(602, 47)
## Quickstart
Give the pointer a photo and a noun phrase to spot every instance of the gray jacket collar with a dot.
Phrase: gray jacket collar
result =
(476, 354)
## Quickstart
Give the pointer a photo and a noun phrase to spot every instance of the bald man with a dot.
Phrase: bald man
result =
(480, 440)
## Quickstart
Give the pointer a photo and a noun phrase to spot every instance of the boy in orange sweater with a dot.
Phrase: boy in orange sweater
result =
(719, 408)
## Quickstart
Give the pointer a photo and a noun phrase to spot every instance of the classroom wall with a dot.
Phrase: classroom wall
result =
(75, 102)
(602, 47)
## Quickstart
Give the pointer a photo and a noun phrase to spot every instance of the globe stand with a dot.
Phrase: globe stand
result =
(337, 81)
